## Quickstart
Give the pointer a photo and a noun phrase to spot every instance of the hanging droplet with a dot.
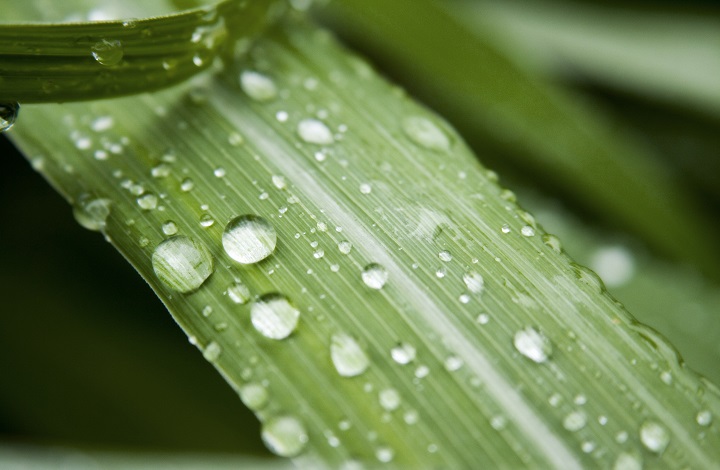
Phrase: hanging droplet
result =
(248, 239)
(347, 356)
(474, 282)
(284, 436)
(182, 263)
(108, 52)
(403, 353)
(425, 133)
(532, 344)
(92, 214)
(258, 86)
(654, 436)
(374, 276)
(313, 131)
(274, 317)
(8, 115)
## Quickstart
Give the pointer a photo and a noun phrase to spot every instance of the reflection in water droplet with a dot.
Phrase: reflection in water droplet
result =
(248, 239)
(92, 214)
(654, 436)
(238, 293)
(284, 436)
(212, 351)
(274, 317)
(108, 52)
(389, 399)
(313, 131)
(8, 115)
(347, 356)
(575, 421)
(474, 282)
(257, 86)
(425, 133)
(374, 276)
(182, 263)
(627, 461)
(403, 353)
(532, 344)
(255, 396)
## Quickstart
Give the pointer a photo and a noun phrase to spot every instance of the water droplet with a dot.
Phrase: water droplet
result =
(108, 52)
(474, 282)
(347, 356)
(445, 256)
(212, 351)
(483, 318)
(274, 317)
(102, 123)
(255, 396)
(238, 293)
(615, 265)
(389, 399)
(422, 371)
(92, 214)
(207, 311)
(147, 201)
(587, 446)
(219, 172)
(532, 344)
(384, 454)
(498, 422)
(313, 131)
(284, 436)
(365, 188)
(453, 363)
(704, 418)
(527, 231)
(182, 263)
(555, 399)
(279, 181)
(627, 461)
(553, 242)
(8, 115)
(169, 228)
(575, 421)
(187, 185)
(411, 417)
(374, 276)
(319, 253)
(425, 133)
(258, 86)
(654, 436)
(206, 221)
(345, 247)
(464, 298)
(403, 353)
(248, 239)
(160, 171)
(505, 228)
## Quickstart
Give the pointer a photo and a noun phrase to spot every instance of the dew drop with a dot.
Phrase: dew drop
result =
(627, 461)
(527, 231)
(505, 228)
(483, 318)
(313, 131)
(654, 436)
(258, 86)
(575, 421)
(453, 363)
(169, 228)
(389, 399)
(365, 188)
(474, 282)
(102, 123)
(219, 172)
(411, 417)
(374, 276)
(187, 185)
(284, 436)
(235, 139)
(403, 353)
(615, 265)
(238, 293)
(279, 181)
(384, 454)
(147, 201)
(182, 263)
(422, 371)
(345, 247)
(92, 214)
(274, 317)
(445, 256)
(255, 396)
(553, 242)
(212, 351)
(425, 133)
(206, 221)
(108, 52)
(532, 344)
(319, 253)
(704, 418)
(347, 356)
(441, 272)
(248, 239)
(160, 171)
(8, 115)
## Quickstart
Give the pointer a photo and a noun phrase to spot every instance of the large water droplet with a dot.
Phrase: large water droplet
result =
(8, 115)
(93, 213)
(374, 276)
(182, 263)
(425, 133)
(255, 396)
(347, 356)
(654, 436)
(532, 344)
(474, 282)
(284, 436)
(627, 461)
(258, 86)
(313, 131)
(248, 239)
(403, 353)
(274, 317)
(108, 52)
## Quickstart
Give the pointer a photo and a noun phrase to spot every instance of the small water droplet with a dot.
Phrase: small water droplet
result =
(553, 242)
(8, 115)
(384, 454)
(108, 52)
(374, 276)
(249, 239)
(238, 293)
(345, 247)
(498, 422)
(411, 417)
(627, 461)
(505, 228)
(255, 396)
(403, 353)
(319, 253)
(422, 371)
(527, 231)
(453, 363)
(258, 86)
(160, 171)
(207, 311)
(425, 133)
(92, 214)
(575, 421)
(274, 317)
(282, 116)
(147, 201)
(464, 298)
(102, 123)
(219, 172)
(555, 399)
(587, 446)
(532, 344)
(212, 351)
(279, 181)
(445, 256)
(347, 356)
(474, 282)
(483, 318)
(365, 188)
(389, 399)
(182, 263)
(284, 436)
(441, 272)
(313, 131)
(206, 221)
(704, 418)
(654, 436)
(187, 185)
(169, 228)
